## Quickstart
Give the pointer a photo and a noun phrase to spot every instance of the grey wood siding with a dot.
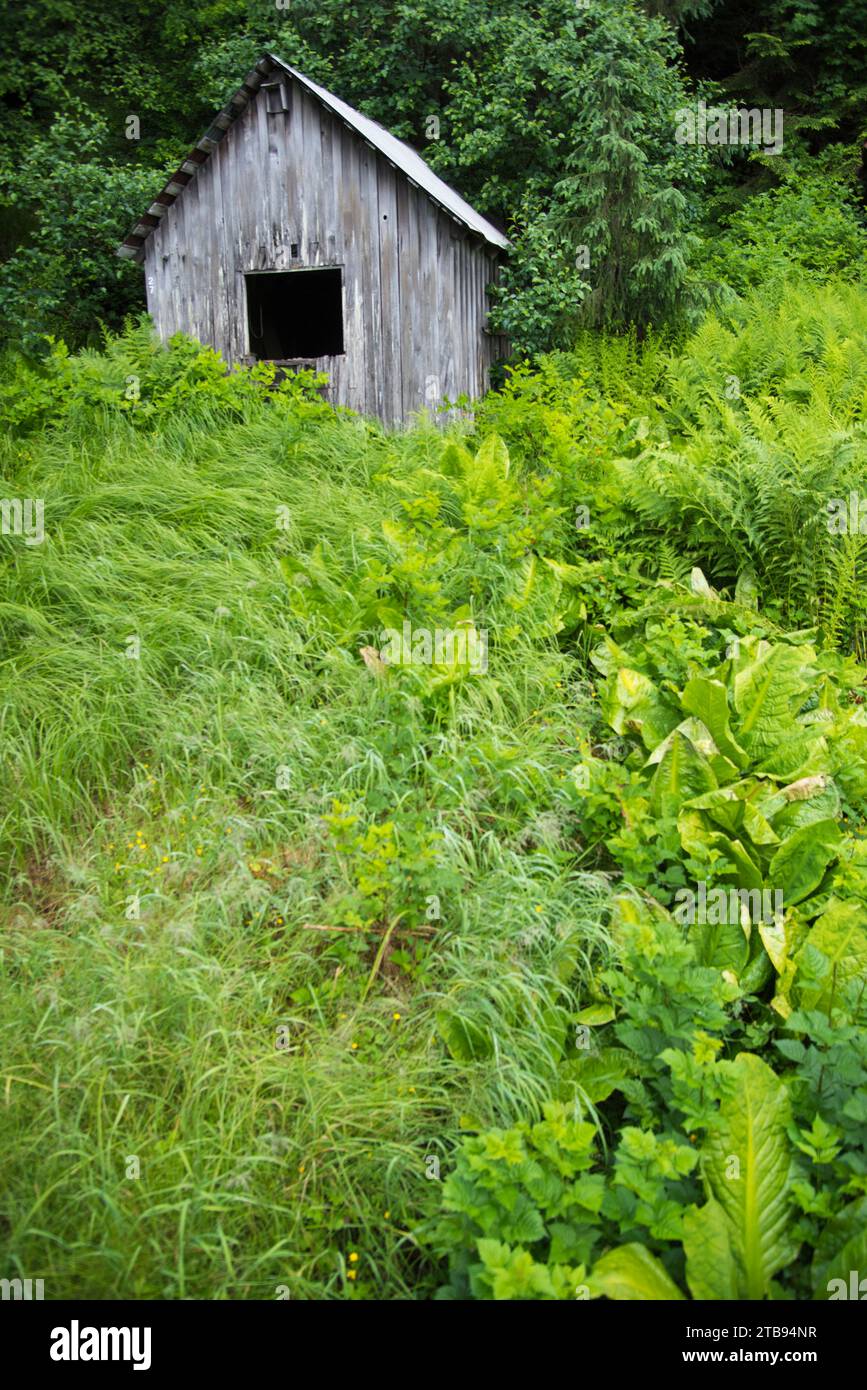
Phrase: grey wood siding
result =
(414, 301)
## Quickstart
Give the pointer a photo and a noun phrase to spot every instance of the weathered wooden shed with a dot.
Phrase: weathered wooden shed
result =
(301, 232)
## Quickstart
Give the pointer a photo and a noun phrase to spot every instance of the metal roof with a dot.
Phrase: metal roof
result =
(399, 154)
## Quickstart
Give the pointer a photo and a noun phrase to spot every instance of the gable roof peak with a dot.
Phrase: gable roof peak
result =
(402, 156)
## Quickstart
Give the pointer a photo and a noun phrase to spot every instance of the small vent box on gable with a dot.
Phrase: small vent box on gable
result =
(277, 96)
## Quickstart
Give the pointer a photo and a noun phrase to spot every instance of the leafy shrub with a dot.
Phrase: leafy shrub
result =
(63, 278)
(537, 303)
(545, 1211)
(471, 515)
(807, 226)
(140, 378)
(699, 1072)
(750, 767)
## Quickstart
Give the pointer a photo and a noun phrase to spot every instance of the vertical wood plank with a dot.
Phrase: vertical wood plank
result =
(389, 293)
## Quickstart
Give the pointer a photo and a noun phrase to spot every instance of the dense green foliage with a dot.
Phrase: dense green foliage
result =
(806, 225)
(557, 120)
(293, 930)
(436, 858)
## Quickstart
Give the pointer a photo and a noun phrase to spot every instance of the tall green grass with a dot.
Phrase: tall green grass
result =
(157, 1142)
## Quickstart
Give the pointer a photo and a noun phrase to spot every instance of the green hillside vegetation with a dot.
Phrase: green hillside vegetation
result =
(325, 976)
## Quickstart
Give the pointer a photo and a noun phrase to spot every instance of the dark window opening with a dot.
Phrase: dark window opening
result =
(295, 314)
